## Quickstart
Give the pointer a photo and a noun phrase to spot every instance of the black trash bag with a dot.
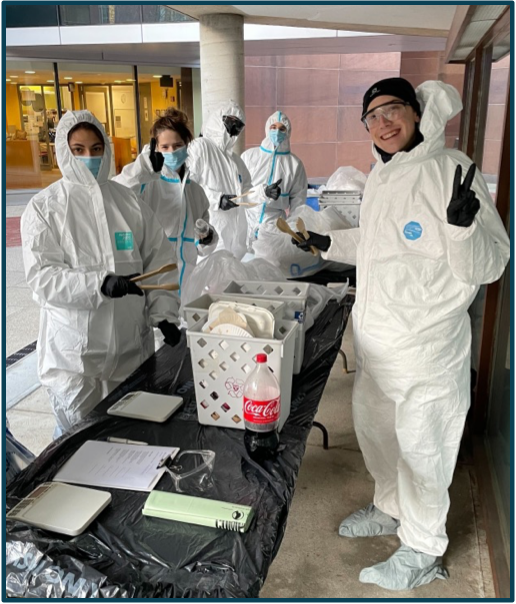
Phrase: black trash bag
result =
(123, 554)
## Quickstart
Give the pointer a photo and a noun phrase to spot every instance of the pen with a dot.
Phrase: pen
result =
(124, 441)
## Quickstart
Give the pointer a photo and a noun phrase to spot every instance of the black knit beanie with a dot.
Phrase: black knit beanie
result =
(398, 87)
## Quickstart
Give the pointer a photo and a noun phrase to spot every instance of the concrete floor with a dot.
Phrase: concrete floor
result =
(313, 561)
(22, 313)
(31, 420)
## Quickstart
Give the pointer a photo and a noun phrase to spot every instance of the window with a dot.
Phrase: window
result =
(159, 90)
(496, 108)
(31, 120)
(499, 419)
(31, 15)
(108, 92)
(51, 15)
(157, 13)
(99, 14)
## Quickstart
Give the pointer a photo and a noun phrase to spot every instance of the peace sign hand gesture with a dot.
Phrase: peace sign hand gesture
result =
(464, 204)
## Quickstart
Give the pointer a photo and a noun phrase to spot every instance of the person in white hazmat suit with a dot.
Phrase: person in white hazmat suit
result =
(83, 238)
(159, 175)
(428, 238)
(279, 177)
(223, 175)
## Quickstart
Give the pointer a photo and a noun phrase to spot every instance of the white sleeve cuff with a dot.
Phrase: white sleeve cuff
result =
(458, 233)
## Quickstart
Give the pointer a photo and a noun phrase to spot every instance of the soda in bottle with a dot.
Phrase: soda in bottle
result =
(261, 411)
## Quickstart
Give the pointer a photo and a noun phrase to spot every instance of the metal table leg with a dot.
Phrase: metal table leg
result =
(345, 362)
(324, 433)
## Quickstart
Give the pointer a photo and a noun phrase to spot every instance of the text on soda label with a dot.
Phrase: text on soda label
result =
(261, 412)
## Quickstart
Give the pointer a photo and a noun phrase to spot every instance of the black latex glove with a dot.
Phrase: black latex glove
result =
(208, 239)
(156, 158)
(321, 242)
(171, 332)
(116, 286)
(464, 204)
(226, 203)
(273, 191)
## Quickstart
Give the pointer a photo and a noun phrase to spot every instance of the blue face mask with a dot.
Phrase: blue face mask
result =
(92, 163)
(176, 159)
(277, 137)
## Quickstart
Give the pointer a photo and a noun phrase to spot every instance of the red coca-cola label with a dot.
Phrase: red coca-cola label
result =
(261, 412)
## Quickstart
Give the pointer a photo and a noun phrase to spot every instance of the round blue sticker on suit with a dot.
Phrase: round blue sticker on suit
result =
(413, 230)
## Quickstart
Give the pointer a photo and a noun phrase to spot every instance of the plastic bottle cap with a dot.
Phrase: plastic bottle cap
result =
(261, 358)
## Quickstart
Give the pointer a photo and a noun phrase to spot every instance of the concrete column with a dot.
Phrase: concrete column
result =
(222, 63)
(187, 104)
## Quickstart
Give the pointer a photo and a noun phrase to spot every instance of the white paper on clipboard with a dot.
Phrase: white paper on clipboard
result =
(116, 466)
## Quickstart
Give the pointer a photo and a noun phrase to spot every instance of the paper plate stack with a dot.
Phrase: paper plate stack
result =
(235, 319)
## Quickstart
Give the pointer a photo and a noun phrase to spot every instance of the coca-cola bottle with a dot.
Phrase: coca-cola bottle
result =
(261, 411)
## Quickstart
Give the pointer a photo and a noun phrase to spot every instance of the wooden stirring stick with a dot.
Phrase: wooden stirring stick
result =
(282, 225)
(169, 287)
(300, 225)
(167, 268)
(243, 195)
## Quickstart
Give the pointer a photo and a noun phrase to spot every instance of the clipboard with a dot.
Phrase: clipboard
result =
(116, 466)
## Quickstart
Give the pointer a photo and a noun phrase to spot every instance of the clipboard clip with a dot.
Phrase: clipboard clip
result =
(163, 462)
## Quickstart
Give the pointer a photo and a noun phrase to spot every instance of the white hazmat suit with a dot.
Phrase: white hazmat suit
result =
(267, 164)
(177, 205)
(220, 172)
(416, 277)
(75, 233)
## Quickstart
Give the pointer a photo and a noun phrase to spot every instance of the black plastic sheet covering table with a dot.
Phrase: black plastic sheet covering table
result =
(123, 554)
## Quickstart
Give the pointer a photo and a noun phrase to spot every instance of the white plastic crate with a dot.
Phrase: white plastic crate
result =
(350, 211)
(346, 203)
(294, 295)
(221, 365)
(199, 308)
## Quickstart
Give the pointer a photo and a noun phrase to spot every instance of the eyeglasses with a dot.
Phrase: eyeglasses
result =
(390, 112)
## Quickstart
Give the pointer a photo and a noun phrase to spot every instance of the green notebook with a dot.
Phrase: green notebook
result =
(195, 510)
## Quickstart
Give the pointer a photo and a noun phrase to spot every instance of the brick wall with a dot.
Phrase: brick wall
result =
(418, 67)
(322, 95)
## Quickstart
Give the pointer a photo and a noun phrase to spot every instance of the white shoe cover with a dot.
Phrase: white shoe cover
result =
(368, 522)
